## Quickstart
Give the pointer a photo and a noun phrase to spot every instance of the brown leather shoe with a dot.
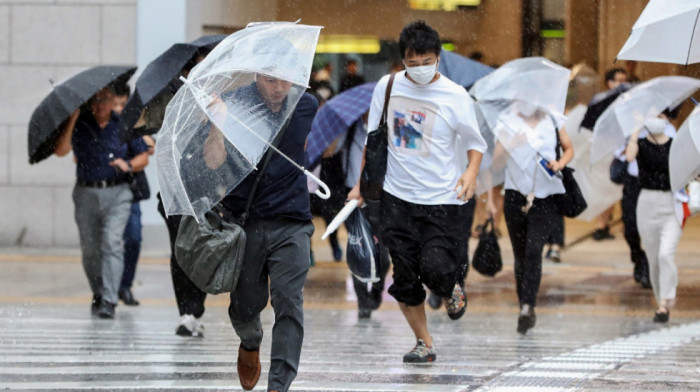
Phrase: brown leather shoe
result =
(248, 367)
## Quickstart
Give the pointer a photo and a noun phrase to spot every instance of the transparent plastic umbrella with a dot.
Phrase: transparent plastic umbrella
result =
(222, 97)
(627, 114)
(526, 86)
(684, 158)
(666, 32)
(593, 179)
(533, 80)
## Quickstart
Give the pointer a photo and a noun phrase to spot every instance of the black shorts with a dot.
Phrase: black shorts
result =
(428, 246)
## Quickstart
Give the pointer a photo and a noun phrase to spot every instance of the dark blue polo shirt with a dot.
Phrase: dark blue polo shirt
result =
(282, 191)
(92, 147)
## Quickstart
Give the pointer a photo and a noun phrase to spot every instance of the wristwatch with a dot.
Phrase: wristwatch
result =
(131, 168)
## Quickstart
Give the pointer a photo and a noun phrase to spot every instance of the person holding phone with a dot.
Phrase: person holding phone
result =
(529, 206)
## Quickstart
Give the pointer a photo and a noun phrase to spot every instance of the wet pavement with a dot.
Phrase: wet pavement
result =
(594, 330)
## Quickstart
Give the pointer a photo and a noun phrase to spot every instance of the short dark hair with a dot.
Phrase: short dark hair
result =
(610, 74)
(121, 89)
(419, 38)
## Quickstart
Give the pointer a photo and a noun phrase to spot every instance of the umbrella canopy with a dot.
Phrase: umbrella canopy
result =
(666, 32)
(461, 70)
(628, 112)
(524, 86)
(65, 97)
(593, 179)
(222, 102)
(534, 80)
(600, 102)
(684, 158)
(160, 77)
(335, 117)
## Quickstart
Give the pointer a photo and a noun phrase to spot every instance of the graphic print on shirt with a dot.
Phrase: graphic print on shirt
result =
(411, 124)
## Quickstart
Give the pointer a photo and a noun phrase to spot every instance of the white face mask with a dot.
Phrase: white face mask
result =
(422, 74)
(655, 125)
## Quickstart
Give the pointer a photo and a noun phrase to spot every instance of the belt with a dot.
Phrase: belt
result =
(103, 183)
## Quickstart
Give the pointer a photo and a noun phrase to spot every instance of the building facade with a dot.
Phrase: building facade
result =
(48, 40)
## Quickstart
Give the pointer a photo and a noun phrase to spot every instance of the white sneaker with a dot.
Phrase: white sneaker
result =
(190, 326)
(198, 328)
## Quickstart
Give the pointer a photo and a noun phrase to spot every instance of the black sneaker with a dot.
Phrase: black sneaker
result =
(95, 305)
(190, 326)
(527, 319)
(106, 310)
(603, 234)
(128, 297)
(456, 305)
(421, 353)
(662, 317)
(641, 273)
(364, 313)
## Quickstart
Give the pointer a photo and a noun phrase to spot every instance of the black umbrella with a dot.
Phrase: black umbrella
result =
(159, 82)
(600, 102)
(67, 96)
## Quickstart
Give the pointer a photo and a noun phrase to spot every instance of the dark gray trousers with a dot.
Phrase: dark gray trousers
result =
(279, 250)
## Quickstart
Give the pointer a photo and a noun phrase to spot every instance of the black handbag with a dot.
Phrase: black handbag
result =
(138, 183)
(618, 171)
(487, 256)
(571, 203)
(376, 153)
(211, 253)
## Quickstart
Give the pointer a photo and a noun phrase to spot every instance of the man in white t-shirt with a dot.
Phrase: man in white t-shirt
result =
(425, 186)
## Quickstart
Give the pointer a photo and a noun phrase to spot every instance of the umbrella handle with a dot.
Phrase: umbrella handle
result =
(326, 192)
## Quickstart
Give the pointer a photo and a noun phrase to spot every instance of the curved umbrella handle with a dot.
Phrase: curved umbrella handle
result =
(326, 192)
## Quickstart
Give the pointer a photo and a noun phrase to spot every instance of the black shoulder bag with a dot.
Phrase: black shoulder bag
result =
(571, 203)
(376, 153)
(211, 253)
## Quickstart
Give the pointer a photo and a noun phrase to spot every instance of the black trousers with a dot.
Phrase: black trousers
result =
(190, 299)
(630, 195)
(556, 237)
(528, 233)
(427, 244)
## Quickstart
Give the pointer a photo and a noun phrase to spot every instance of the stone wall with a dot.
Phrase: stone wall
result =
(40, 42)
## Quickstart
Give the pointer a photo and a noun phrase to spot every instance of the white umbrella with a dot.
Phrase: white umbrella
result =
(666, 32)
(593, 179)
(627, 114)
(684, 158)
(224, 92)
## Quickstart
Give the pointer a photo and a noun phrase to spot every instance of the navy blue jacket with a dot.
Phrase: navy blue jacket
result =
(282, 191)
(94, 148)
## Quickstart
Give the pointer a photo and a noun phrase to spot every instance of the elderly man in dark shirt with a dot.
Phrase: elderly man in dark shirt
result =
(278, 233)
(101, 195)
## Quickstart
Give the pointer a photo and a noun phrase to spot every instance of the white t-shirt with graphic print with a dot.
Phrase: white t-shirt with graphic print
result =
(424, 122)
